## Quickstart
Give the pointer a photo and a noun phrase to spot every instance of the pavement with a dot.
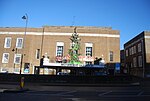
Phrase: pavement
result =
(74, 93)
(14, 87)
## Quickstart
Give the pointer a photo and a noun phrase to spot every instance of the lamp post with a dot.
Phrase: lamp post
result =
(25, 17)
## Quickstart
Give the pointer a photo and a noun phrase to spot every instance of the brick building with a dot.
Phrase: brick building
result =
(20, 50)
(137, 55)
(122, 59)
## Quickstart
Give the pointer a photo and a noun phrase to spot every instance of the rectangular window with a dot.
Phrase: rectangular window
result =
(89, 51)
(5, 58)
(132, 49)
(127, 52)
(4, 69)
(17, 70)
(140, 61)
(134, 62)
(139, 47)
(7, 42)
(19, 43)
(111, 55)
(17, 59)
(38, 54)
(59, 50)
(26, 67)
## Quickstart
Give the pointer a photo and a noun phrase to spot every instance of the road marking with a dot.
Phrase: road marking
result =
(105, 93)
(64, 93)
(124, 96)
(74, 99)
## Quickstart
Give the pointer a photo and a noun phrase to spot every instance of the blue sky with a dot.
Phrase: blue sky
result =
(130, 17)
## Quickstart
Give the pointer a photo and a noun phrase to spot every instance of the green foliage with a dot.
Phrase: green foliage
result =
(73, 52)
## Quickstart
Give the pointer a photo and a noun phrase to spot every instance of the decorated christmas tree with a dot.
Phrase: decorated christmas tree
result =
(75, 47)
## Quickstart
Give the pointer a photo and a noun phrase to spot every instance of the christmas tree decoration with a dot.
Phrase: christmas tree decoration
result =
(75, 47)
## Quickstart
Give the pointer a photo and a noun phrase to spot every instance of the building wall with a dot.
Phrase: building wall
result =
(137, 55)
(104, 40)
(147, 50)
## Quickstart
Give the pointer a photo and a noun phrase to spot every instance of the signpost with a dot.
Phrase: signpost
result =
(117, 68)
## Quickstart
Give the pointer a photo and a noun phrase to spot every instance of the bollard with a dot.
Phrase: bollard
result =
(22, 83)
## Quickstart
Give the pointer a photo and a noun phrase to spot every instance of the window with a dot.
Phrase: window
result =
(127, 52)
(17, 70)
(17, 58)
(130, 51)
(140, 61)
(26, 67)
(134, 48)
(139, 47)
(38, 54)
(134, 62)
(5, 58)
(59, 50)
(19, 43)
(7, 42)
(88, 51)
(111, 55)
(4, 69)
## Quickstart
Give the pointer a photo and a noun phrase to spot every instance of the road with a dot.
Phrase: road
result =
(74, 93)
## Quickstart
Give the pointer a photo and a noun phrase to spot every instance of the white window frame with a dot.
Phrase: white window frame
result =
(17, 70)
(89, 44)
(7, 42)
(60, 44)
(4, 59)
(17, 56)
(4, 70)
(17, 43)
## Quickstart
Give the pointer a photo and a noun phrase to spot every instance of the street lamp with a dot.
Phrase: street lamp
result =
(25, 17)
